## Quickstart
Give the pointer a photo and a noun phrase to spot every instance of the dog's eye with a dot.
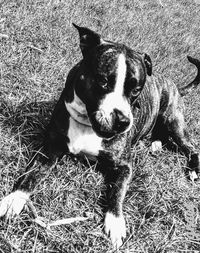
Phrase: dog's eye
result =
(131, 83)
(111, 80)
(132, 87)
(102, 81)
(136, 91)
(104, 85)
(107, 82)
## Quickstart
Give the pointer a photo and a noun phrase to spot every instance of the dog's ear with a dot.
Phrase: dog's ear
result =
(88, 39)
(148, 64)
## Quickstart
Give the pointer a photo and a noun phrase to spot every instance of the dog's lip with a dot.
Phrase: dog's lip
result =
(105, 135)
(102, 133)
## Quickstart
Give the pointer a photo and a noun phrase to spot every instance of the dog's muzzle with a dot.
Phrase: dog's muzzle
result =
(107, 127)
(121, 122)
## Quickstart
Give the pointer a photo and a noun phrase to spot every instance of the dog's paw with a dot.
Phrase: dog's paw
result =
(156, 146)
(115, 227)
(13, 204)
(194, 167)
(193, 175)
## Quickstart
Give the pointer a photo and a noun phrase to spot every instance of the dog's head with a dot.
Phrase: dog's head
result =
(112, 79)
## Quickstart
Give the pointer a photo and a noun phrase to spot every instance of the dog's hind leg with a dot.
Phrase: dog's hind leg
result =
(177, 130)
(160, 135)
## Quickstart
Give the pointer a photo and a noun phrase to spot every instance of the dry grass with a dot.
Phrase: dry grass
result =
(38, 46)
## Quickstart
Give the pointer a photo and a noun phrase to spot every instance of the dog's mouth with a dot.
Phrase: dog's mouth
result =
(108, 127)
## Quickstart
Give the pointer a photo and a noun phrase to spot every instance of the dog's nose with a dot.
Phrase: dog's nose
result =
(121, 121)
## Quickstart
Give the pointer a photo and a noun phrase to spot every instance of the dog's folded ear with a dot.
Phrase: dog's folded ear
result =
(148, 64)
(88, 39)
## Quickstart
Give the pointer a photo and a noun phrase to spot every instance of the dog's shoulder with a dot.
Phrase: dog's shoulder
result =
(161, 92)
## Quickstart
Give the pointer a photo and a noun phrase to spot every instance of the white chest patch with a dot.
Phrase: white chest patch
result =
(82, 139)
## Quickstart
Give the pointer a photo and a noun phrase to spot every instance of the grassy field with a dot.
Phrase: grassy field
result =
(38, 46)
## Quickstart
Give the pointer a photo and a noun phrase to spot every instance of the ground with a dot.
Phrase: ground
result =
(38, 47)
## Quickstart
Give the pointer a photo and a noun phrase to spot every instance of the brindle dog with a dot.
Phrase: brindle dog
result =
(111, 100)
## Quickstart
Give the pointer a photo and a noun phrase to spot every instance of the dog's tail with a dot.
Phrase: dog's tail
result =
(196, 81)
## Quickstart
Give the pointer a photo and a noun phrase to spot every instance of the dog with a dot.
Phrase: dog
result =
(111, 100)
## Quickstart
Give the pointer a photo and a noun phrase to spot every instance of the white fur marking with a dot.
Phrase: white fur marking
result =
(115, 227)
(115, 99)
(193, 175)
(121, 75)
(81, 135)
(83, 139)
(156, 146)
(13, 204)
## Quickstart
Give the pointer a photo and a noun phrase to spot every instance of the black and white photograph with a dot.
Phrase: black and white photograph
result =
(99, 126)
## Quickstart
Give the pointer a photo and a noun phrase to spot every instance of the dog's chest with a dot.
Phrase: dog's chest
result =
(82, 139)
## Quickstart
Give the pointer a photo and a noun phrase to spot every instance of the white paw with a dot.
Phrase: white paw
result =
(193, 175)
(115, 227)
(156, 146)
(13, 204)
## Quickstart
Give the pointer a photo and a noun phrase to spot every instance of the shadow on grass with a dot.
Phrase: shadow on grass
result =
(27, 120)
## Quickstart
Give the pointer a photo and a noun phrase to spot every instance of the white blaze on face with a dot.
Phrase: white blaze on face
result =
(116, 99)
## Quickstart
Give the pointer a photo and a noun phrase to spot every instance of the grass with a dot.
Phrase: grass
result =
(38, 46)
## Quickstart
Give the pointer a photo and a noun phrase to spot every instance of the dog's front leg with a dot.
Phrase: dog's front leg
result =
(54, 147)
(14, 202)
(114, 220)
